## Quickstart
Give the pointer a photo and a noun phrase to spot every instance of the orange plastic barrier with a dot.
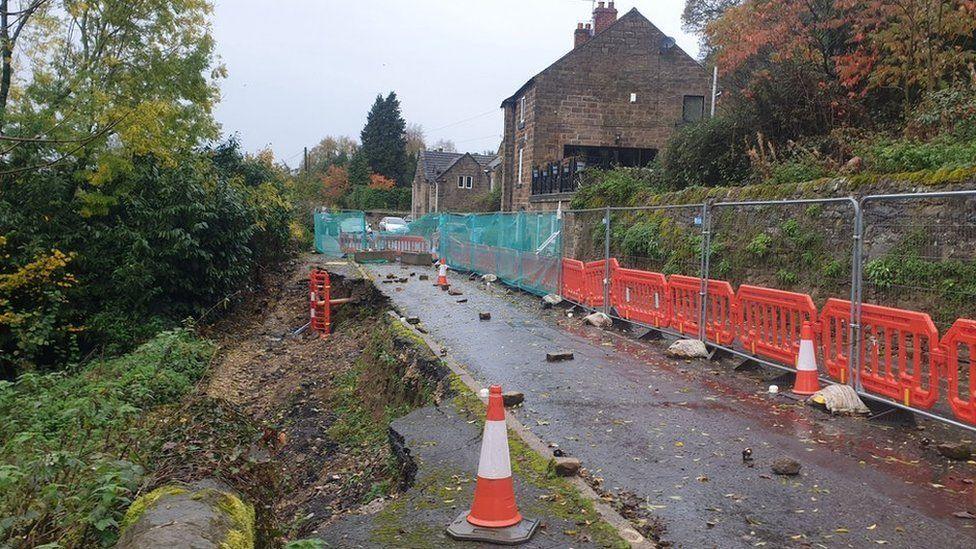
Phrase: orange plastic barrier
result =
(573, 288)
(686, 308)
(593, 277)
(900, 353)
(769, 321)
(962, 335)
(320, 312)
(641, 296)
(350, 242)
(402, 243)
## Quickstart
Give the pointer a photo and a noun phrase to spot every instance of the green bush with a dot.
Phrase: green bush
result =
(146, 248)
(72, 451)
(760, 245)
(641, 240)
(617, 187)
(709, 153)
(894, 156)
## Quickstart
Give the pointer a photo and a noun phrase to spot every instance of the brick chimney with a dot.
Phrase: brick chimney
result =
(581, 35)
(603, 17)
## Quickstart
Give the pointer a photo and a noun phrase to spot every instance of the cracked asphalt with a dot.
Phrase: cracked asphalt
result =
(673, 432)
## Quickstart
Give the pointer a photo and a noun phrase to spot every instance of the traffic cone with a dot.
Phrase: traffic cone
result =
(442, 274)
(494, 516)
(807, 381)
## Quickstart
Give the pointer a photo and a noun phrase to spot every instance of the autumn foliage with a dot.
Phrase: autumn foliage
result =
(380, 183)
(845, 56)
(335, 184)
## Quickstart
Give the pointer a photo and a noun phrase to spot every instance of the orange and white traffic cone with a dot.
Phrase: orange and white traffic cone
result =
(442, 274)
(807, 380)
(494, 516)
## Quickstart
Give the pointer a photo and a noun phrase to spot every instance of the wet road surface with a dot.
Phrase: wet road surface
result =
(673, 432)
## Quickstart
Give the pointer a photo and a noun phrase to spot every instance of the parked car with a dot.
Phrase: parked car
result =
(393, 225)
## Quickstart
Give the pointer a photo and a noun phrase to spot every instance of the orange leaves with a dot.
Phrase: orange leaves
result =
(380, 183)
(335, 183)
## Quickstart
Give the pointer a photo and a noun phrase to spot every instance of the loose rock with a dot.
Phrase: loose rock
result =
(413, 320)
(567, 466)
(599, 320)
(484, 316)
(786, 466)
(423, 277)
(550, 300)
(512, 398)
(454, 292)
(462, 301)
(687, 348)
(957, 451)
(558, 356)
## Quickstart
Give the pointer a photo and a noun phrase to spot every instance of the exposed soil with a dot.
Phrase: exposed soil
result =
(287, 384)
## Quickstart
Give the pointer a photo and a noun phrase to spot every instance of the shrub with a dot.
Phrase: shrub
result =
(893, 156)
(617, 187)
(641, 240)
(760, 245)
(70, 454)
(709, 153)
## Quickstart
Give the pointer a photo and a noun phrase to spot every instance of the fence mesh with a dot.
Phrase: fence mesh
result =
(339, 232)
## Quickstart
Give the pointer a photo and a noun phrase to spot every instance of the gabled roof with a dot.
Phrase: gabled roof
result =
(588, 44)
(435, 163)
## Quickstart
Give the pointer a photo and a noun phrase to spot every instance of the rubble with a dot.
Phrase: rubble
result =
(512, 398)
(566, 466)
(959, 451)
(599, 320)
(687, 348)
(786, 466)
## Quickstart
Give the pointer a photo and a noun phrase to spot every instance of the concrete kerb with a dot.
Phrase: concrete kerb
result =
(624, 528)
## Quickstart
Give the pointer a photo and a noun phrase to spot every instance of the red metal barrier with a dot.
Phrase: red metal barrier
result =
(573, 287)
(686, 308)
(640, 296)
(769, 321)
(900, 353)
(593, 277)
(961, 336)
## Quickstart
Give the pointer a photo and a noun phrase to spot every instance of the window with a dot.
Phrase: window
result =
(633, 98)
(460, 181)
(607, 157)
(522, 111)
(520, 167)
(693, 108)
(467, 182)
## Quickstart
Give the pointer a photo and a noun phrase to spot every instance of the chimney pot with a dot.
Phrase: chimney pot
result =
(581, 35)
(603, 17)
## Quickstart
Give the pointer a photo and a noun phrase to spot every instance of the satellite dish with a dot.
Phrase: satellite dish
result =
(667, 43)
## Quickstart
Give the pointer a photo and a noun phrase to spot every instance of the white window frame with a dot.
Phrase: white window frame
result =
(522, 110)
(468, 182)
(460, 181)
(521, 150)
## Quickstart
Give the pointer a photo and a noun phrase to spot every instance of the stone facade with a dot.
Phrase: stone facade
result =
(450, 182)
(623, 88)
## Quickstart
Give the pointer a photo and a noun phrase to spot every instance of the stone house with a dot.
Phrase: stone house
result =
(615, 99)
(451, 182)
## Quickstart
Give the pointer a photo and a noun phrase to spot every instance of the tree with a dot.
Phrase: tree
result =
(384, 139)
(698, 14)
(415, 139)
(359, 169)
(445, 145)
(335, 184)
(330, 151)
(105, 80)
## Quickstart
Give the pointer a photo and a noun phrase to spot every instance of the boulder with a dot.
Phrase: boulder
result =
(512, 398)
(551, 300)
(566, 466)
(786, 466)
(839, 399)
(599, 320)
(202, 514)
(687, 348)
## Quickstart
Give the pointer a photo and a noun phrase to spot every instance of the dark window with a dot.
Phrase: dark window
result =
(693, 108)
(607, 157)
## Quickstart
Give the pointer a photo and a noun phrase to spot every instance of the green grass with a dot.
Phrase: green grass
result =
(74, 447)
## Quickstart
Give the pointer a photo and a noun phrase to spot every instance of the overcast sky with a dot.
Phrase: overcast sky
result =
(303, 69)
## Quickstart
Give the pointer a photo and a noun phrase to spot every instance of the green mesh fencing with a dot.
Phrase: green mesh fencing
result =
(340, 232)
(521, 249)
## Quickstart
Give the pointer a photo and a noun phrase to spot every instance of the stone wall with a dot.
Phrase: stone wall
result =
(454, 199)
